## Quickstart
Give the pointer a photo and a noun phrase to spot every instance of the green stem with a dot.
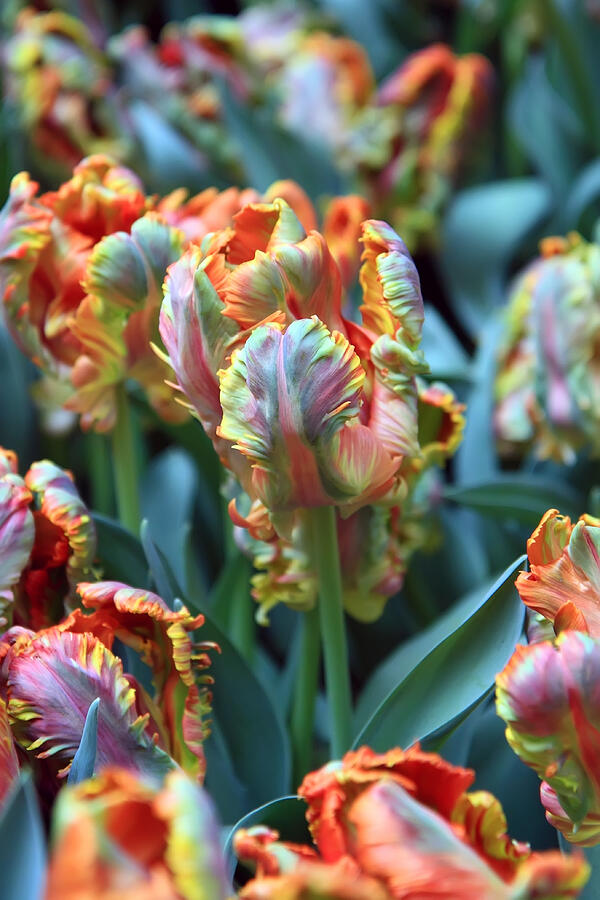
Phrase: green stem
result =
(307, 680)
(125, 464)
(326, 562)
(100, 474)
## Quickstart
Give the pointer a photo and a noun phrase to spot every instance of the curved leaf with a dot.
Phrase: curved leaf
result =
(398, 664)
(84, 760)
(522, 497)
(286, 815)
(585, 191)
(455, 676)
(22, 843)
(168, 497)
(120, 553)
(482, 231)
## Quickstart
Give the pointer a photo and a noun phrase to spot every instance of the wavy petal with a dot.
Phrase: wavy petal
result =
(51, 682)
(17, 533)
(414, 852)
(164, 639)
(196, 334)
(564, 568)
(548, 697)
(390, 283)
(58, 499)
(284, 397)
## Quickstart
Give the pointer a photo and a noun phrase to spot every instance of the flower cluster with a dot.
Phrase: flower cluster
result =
(81, 273)
(548, 692)
(305, 406)
(548, 384)
(402, 144)
(401, 825)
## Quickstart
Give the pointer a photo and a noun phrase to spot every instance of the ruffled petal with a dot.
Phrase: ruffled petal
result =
(52, 679)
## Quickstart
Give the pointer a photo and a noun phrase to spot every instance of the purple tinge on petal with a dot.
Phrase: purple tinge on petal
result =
(51, 682)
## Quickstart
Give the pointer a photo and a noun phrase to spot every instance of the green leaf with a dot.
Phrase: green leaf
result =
(22, 843)
(483, 230)
(444, 353)
(17, 419)
(168, 497)
(454, 676)
(120, 553)
(398, 664)
(286, 815)
(162, 574)
(245, 719)
(232, 582)
(546, 127)
(584, 193)
(476, 457)
(84, 760)
(522, 497)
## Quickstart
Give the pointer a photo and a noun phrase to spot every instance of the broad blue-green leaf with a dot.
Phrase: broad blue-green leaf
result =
(17, 420)
(22, 843)
(249, 738)
(546, 127)
(168, 496)
(286, 815)
(120, 553)
(403, 660)
(443, 351)
(476, 458)
(84, 760)
(584, 192)
(522, 497)
(454, 676)
(483, 229)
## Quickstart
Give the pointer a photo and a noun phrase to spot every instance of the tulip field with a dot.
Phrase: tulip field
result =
(300, 450)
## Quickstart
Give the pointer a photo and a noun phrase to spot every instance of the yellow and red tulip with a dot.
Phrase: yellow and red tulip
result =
(547, 695)
(563, 582)
(402, 825)
(119, 832)
(48, 541)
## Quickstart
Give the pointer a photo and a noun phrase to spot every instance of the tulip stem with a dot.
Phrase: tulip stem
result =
(125, 464)
(99, 467)
(326, 562)
(307, 680)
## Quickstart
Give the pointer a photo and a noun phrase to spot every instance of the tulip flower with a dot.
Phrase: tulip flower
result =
(228, 330)
(437, 101)
(547, 386)
(59, 85)
(402, 825)
(251, 315)
(49, 681)
(120, 832)
(164, 639)
(75, 659)
(563, 582)
(547, 696)
(48, 541)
